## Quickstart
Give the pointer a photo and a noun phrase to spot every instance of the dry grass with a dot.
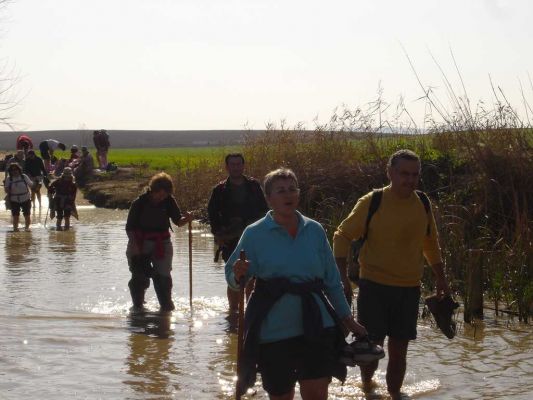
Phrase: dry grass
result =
(477, 167)
(479, 180)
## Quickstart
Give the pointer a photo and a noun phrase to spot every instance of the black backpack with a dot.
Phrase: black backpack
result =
(357, 245)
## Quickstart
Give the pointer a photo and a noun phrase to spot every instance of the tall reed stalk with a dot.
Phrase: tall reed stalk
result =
(477, 167)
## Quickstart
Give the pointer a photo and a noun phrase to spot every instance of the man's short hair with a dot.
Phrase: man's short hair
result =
(161, 181)
(403, 154)
(276, 175)
(62, 146)
(234, 155)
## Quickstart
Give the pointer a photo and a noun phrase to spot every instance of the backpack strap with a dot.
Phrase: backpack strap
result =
(425, 201)
(375, 201)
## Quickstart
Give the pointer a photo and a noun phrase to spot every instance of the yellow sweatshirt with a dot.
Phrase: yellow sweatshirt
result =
(396, 242)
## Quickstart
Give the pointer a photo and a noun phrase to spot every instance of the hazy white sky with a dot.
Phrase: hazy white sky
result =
(221, 64)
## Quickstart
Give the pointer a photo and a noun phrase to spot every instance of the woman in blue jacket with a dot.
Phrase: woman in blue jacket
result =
(295, 318)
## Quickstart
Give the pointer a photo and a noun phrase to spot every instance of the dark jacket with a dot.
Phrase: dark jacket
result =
(220, 210)
(34, 167)
(64, 192)
(165, 210)
(266, 293)
(101, 141)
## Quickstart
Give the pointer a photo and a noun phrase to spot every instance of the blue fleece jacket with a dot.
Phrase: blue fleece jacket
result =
(273, 253)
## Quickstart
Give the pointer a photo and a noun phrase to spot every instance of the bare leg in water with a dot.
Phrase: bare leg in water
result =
(27, 222)
(397, 349)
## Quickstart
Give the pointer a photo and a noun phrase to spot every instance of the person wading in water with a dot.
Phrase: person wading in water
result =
(400, 234)
(34, 168)
(62, 193)
(17, 187)
(297, 313)
(149, 249)
(234, 204)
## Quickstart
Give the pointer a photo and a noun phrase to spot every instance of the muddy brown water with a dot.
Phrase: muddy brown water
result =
(67, 332)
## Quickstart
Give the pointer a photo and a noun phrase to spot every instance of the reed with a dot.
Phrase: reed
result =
(477, 167)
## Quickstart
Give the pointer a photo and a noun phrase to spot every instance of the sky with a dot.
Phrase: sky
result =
(230, 64)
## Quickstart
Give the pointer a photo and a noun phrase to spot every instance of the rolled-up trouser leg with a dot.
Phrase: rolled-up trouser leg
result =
(163, 289)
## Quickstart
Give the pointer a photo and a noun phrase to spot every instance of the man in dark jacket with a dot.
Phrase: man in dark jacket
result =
(234, 204)
(34, 168)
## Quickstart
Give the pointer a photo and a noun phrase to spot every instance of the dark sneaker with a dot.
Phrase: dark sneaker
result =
(361, 352)
(442, 310)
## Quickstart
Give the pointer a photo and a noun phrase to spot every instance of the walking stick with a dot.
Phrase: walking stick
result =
(45, 218)
(190, 264)
(240, 330)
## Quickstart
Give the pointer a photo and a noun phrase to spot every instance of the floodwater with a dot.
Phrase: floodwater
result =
(66, 331)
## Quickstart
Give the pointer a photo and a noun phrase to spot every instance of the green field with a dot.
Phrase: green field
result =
(169, 158)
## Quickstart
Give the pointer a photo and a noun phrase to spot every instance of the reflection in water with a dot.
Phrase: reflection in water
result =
(148, 363)
(225, 361)
(63, 241)
(18, 248)
(108, 353)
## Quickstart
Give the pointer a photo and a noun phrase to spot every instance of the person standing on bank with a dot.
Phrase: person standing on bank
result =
(400, 234)
(17, 187)
(34, 168)
(234, 204)
(149, 249)
(295, 315)
(102, 144)
(47, 148)
(85, 167)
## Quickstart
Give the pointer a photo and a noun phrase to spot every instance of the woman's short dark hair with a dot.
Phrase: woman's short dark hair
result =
(234, 155)
(276, 175)
(14, 165)
(161, 181)
(403, 154)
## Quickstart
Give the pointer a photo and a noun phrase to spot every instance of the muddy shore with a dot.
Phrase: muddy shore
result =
(115, 190)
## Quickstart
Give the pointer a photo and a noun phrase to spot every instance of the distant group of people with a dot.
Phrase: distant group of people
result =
(26, 172)
(81, 163)
(298, 313)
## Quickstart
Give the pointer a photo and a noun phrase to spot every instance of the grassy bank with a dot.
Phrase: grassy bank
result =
(136, 166)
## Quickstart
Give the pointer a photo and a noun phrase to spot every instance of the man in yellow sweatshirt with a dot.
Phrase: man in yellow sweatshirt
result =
(400, 234)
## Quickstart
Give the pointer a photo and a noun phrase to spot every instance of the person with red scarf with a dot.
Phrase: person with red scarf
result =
(149, 249)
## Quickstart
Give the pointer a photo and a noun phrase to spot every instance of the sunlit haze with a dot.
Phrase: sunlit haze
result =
(226, 64)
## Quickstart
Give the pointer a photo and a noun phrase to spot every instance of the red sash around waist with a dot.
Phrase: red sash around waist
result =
(158, 237)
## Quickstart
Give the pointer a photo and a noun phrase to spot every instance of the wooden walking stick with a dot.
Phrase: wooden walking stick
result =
(240, 329)
(190, 264)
